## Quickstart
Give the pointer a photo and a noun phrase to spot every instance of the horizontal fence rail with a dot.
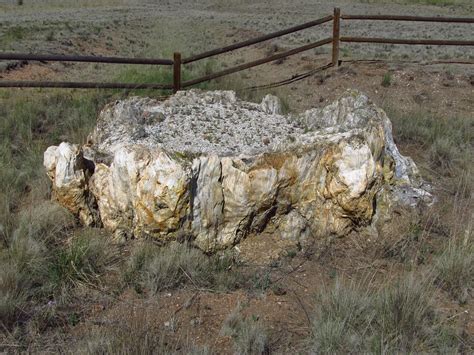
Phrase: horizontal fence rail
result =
(256, 40)
(80, 85)
(257, 62)
(434, 42)
(408, 18)
(79, 58)
(87, 59)
(177, 62)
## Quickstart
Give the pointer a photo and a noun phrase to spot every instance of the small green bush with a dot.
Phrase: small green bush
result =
(15, 34)
(387, 79)
(50, 36)
(174, 266)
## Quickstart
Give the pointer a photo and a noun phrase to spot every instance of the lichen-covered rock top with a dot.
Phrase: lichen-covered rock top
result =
(215, 169)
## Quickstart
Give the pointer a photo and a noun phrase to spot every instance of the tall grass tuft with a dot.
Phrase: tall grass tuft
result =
(341, 312)
(25, 258)
(248, 334)
(387, 79)
(454, 268)
(28, 125)
(404, 314)
(156, 268)
(83, 259)
(397, 317)
(38, 267)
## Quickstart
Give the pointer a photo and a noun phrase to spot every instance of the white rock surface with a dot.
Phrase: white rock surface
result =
(193, 123)
(210, 167)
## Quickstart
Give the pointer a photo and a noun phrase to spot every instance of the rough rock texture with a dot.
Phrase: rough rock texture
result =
(207, 166)
(193, 124)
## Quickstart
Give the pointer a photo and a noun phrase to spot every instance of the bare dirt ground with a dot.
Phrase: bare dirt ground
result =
(143, 28)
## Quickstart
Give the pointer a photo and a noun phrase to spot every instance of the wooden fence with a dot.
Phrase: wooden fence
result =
(178, 62)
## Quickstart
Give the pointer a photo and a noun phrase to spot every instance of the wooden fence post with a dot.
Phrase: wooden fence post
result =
(335, 36)
(176, 72)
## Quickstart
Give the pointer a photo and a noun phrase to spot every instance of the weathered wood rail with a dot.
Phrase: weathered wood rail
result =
(178, 62)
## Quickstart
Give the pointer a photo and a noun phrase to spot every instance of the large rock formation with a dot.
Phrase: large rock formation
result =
(212, 168)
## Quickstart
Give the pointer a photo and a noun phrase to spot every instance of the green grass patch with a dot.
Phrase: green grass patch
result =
(14, 34)
(387, 79)
(29, 123)
(35, 258)
(163, 75)
(448, 142)
(84, 258)
(40, 267)
(152, 75)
